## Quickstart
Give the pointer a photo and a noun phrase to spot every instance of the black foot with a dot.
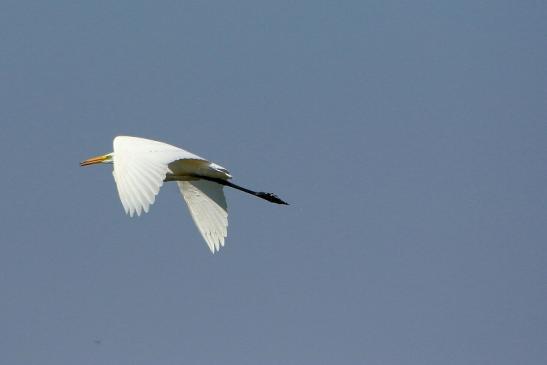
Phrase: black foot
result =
(271, 198)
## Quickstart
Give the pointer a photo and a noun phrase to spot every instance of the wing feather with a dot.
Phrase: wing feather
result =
(147, 184)
(208, 208)
(140, 167)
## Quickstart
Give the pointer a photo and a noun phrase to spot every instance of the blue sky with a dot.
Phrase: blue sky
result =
(409, 137)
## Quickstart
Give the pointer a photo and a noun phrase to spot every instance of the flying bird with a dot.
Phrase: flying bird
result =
(141, 166)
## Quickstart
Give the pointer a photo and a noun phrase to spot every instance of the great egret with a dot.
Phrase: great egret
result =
(141, 166)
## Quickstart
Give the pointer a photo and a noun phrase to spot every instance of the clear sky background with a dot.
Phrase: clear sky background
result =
(409, 137)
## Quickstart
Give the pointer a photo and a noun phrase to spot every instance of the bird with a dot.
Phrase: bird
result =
(141, 166)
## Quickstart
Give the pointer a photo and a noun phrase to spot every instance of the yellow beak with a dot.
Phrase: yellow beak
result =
(93, 160)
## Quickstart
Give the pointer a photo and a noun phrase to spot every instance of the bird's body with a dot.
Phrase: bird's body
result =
(141, 166)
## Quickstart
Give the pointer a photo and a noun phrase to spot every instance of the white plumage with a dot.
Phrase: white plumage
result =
(141, 166)
(207, 205)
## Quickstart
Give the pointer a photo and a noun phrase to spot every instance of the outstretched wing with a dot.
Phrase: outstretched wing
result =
(140, 166)
(207, 205)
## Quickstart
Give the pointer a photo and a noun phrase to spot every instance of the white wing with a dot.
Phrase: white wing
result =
(140, 166)
(208, 208)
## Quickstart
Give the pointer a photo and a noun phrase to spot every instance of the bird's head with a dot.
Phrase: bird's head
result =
(98, 159)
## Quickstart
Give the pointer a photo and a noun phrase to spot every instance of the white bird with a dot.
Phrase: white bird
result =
(141, 166)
